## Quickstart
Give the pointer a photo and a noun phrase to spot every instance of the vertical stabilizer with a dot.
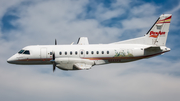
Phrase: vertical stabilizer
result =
(158, 33)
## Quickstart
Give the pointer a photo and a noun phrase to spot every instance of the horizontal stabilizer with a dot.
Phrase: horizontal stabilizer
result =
(152, 48)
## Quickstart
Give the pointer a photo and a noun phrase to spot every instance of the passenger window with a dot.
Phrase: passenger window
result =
(70, 52)
(102, 52)
(97, 52)
(21, 51)
(60, 53)
(65, 53)
(81, 52)
(86, 52)
(76, 52)
(92, 52)
(26, 52)
(107, 52)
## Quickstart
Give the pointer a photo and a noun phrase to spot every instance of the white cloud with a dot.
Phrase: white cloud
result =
(175, 9)
(139, 23)
(122, 4)
(100, 83)
(144, 10)
(102, 13)
(5, 5)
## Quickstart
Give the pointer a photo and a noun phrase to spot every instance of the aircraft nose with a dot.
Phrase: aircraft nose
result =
(12, 59)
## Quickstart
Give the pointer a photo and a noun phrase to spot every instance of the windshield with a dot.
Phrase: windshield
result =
(21, 51)
(26, 52)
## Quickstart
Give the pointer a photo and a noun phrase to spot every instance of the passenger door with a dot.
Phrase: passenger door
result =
(43, 54)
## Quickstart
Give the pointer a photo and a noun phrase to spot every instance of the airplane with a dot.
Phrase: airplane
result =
(83, 56)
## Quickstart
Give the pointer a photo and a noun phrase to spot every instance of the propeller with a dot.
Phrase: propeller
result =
(55, 42)
(53, 61)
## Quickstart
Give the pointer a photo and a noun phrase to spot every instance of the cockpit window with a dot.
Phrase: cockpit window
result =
(21, 51)
(26, 52)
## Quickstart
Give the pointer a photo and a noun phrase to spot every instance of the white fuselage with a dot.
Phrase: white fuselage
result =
(67, 55)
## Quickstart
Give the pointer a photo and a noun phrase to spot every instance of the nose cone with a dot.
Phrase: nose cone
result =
(12, 59)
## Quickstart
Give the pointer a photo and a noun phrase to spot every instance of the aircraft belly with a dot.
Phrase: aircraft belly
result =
(121, 60)
(32, 62)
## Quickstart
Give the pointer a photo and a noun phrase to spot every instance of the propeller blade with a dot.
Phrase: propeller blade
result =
(53, 56)
(55, 42)
(54, 63)
(54, 66)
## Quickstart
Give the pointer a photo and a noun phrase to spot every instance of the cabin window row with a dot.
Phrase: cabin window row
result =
(82, 52)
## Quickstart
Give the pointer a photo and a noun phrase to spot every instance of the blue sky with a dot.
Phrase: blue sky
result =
(33, 22)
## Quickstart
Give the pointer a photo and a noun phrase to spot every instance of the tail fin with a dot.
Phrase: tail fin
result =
(156, 36)
(158, 33)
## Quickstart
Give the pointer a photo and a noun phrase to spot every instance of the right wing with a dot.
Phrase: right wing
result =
(83, 41)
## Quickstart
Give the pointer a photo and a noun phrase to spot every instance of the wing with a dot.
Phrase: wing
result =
(82, 66)
(83, 41)
(73, 63)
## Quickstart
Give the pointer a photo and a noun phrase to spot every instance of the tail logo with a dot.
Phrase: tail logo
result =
(155, 34)
(167, 20)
